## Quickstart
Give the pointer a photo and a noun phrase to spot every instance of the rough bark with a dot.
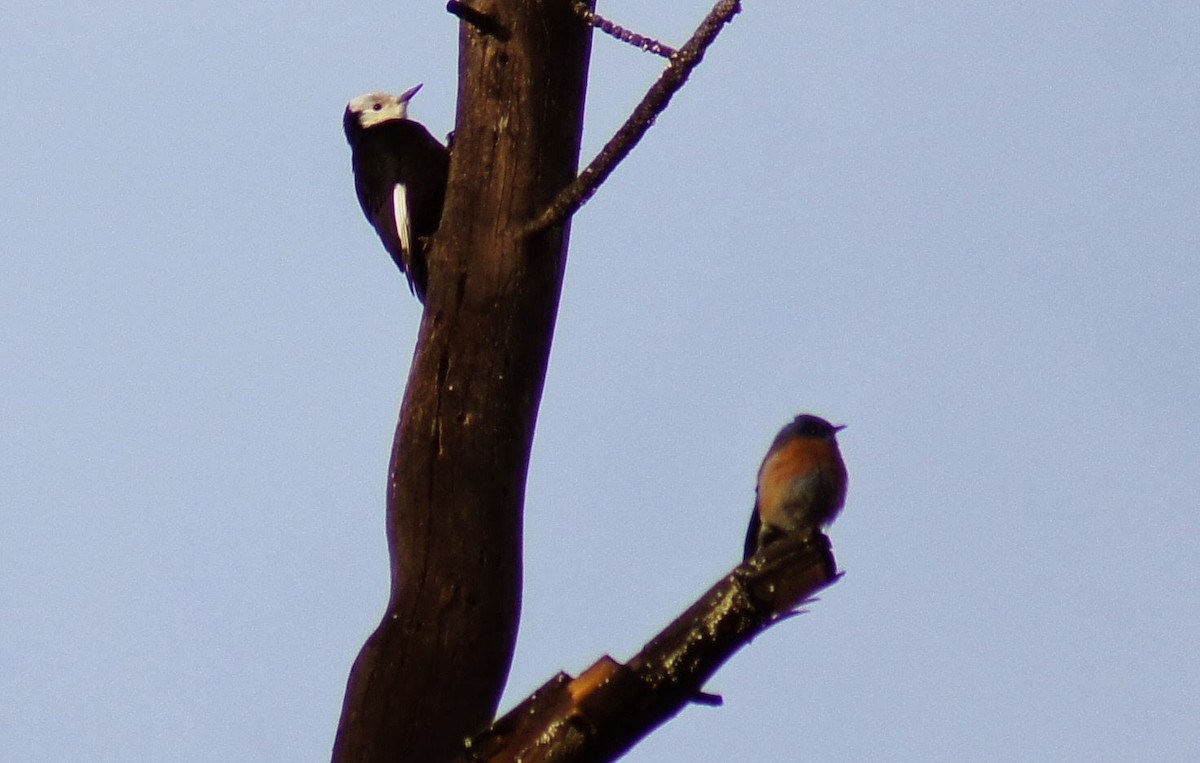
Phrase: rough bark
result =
(434, 669)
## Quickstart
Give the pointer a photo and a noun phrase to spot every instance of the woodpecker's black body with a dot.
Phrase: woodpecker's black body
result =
(400, 173)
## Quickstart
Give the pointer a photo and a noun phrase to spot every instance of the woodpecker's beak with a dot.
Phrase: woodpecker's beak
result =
(408, 94)
(839, 428)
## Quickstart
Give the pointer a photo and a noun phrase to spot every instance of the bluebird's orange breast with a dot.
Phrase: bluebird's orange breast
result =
(801, 484)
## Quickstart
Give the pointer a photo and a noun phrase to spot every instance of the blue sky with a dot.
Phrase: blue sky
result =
(968, 232)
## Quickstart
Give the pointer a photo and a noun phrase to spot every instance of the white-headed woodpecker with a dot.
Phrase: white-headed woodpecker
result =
(400, 175)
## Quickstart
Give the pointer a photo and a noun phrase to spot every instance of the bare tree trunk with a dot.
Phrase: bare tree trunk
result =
(434, 669)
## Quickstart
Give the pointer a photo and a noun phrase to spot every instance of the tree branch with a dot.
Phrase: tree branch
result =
(483, 22)
(656, 100)
(605, 711)
(619, 32)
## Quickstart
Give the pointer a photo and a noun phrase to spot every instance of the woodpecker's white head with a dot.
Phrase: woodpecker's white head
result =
(373, 108)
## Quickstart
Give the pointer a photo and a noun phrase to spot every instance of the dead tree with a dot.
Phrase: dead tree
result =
(432, 673)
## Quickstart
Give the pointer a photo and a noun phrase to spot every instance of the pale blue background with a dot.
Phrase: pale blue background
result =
(968, 231)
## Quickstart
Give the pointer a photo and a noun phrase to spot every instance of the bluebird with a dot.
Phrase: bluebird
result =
(801, 483)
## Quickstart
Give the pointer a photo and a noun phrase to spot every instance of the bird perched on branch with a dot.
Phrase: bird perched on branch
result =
(400, 174)
(801, 483)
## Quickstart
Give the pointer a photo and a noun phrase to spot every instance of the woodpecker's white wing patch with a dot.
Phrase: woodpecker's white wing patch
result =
(403, 224)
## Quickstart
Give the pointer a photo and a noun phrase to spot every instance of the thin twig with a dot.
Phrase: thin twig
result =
(591, 18)
(570, 199)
